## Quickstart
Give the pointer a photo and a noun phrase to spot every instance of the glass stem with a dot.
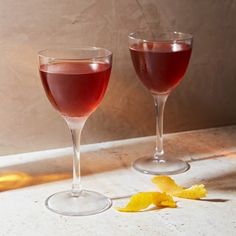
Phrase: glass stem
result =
(160, 101)
(76, 125)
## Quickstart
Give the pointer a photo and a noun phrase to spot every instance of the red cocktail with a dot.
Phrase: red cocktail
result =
(160, 66)
(75, 81)
(160, 60)
(75, 88)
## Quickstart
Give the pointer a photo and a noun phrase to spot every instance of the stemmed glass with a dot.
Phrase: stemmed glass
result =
(160, 60)
(75, 81)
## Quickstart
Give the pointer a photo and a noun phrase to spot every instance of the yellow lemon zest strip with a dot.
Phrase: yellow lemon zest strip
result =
(143, 200)
(168, 185)
(194, 192)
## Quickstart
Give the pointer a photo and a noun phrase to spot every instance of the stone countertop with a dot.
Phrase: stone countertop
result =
(26, 180)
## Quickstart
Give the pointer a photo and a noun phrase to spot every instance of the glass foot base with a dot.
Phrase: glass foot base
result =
(152, 166)
(87, 203)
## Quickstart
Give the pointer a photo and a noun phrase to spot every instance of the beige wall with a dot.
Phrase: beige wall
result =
(206, 97)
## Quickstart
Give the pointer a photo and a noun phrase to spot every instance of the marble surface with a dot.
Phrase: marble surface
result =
(204, 99)
(27, 179)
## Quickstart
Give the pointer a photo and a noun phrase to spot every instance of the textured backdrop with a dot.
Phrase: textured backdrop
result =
(206, 97)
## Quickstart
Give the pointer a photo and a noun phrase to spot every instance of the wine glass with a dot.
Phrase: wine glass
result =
(160, 60)
(75, 81)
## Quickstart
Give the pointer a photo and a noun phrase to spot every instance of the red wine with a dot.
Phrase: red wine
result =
(75, 88)
(160, 66)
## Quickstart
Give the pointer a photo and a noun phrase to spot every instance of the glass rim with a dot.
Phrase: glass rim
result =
(184, 36)
(66, 49)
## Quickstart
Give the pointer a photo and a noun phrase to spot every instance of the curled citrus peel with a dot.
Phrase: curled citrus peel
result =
(169, 188)
(168, 185)
(143, 200)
